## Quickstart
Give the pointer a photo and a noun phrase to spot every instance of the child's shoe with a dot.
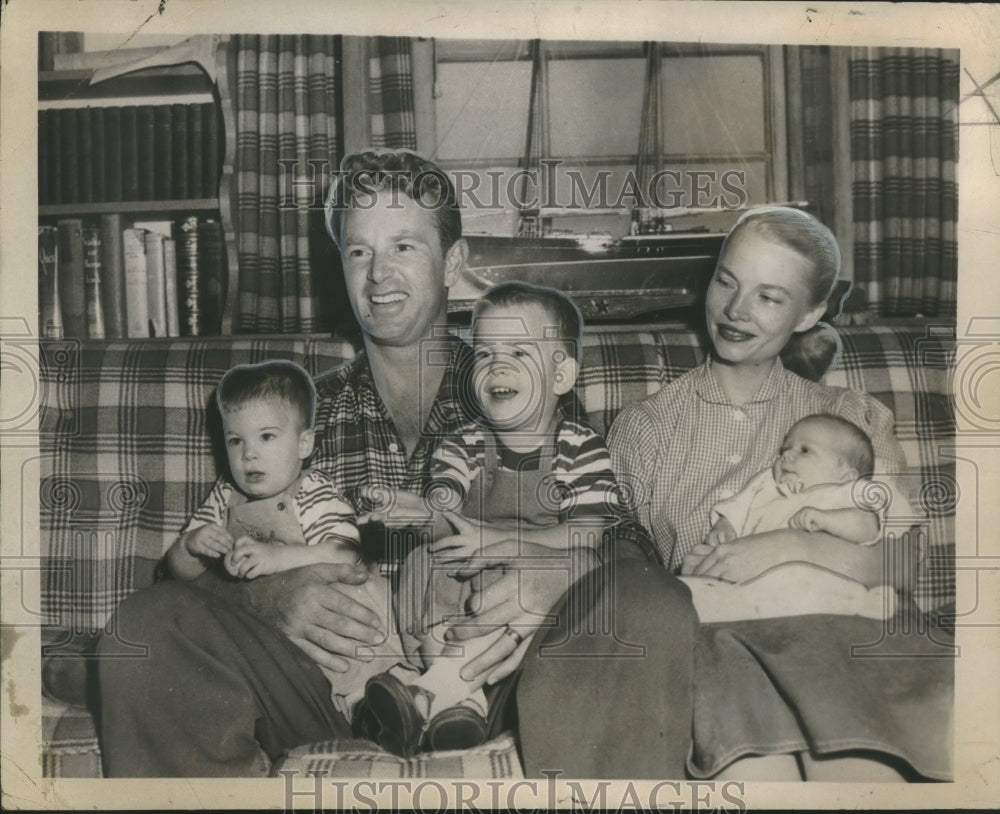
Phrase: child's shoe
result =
(398, 723)
(457, 727)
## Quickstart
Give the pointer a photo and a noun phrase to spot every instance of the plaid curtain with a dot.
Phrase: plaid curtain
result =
(390, 93)
(286, 103)
(903, 152)
(814, 99)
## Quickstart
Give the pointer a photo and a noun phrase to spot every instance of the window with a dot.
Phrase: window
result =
(711, 114)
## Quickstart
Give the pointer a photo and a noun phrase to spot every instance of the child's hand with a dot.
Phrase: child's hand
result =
(249, 558)
(470, 539)
(208, 541)
(722, 532)
(392, 506)
(808, 519)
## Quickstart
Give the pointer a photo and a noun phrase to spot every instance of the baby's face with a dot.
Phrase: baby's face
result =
(811, 455)
(519, 368)
(266, 445)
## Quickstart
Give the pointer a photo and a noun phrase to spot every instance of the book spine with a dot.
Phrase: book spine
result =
(43, 159)
(69, 150)
(113, 281)
(53, 152)
(97, 140)
(85, 154)
(211, 295)
(156, 286)
(71, 288)
(163, 153)
(211, 162)
(50, 325)
(179, 118)
(188, 279)
(92, 282)
(170, 278)
(112, 154)
(195, 151)
(145, 136)
(137, 307)
(130, 153)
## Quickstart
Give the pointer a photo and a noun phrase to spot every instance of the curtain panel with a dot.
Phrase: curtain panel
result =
(390, 93)
(903, 151)
(286, 103)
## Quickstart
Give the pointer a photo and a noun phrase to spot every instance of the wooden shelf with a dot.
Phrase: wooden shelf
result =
(136, 207)
(148, 83)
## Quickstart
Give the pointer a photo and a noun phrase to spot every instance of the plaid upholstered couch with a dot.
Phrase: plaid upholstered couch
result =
(127, 455)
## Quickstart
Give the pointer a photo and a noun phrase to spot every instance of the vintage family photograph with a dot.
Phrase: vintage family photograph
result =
(428, 408)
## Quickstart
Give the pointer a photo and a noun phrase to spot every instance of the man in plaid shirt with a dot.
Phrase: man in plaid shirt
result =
(232, 671)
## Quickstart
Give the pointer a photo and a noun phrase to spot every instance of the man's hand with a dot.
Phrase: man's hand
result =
(514, 584)
(306, 606)
(210, 540)
(722, 532)
(392, 506)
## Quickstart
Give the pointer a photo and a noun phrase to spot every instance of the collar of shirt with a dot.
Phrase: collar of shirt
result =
(709, 389)
(452, 405)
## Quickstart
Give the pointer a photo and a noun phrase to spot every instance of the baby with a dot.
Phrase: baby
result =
(811, 486)
(527, 465)
(273, 515)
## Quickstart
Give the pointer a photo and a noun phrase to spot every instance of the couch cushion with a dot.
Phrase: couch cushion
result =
(349, 758)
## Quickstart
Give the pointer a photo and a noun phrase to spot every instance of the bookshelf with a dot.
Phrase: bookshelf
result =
(149, 151)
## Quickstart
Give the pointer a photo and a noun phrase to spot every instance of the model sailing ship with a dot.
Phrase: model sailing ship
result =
(659, 258)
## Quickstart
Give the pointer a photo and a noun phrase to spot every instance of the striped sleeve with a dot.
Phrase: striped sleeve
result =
(583, 466)
(213, 510)
(457, 460)
(323, 512)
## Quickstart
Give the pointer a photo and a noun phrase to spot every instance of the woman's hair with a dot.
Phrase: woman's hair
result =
(815, 352)
(565, 315)
(275, 380)
(802, 233)
(362, 175)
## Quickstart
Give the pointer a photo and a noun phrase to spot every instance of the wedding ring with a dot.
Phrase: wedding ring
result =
(517, 637)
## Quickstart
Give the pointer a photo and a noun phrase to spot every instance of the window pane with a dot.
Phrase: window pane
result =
(713, 104)
(595, 106)
(482, 111)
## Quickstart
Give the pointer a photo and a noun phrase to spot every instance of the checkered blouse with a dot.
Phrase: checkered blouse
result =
(686, 447)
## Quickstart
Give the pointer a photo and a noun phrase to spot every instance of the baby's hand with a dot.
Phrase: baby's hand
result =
(249, 558)
(722, 532)
(393, 505)
(208, 541)
(807, 518)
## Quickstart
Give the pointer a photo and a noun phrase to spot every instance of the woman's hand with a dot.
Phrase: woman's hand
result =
(739, 560)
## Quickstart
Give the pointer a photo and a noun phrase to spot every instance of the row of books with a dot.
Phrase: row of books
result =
(100, 280)
(130, 153)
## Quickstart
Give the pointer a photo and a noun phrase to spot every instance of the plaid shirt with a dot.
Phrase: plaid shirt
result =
(686, 447)
(357, 441)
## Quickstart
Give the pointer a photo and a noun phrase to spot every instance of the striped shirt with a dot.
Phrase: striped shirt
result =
(686, 447)
(319, 509)
(581, 466)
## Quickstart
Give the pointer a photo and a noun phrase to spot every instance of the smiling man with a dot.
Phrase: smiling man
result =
(232, 671)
